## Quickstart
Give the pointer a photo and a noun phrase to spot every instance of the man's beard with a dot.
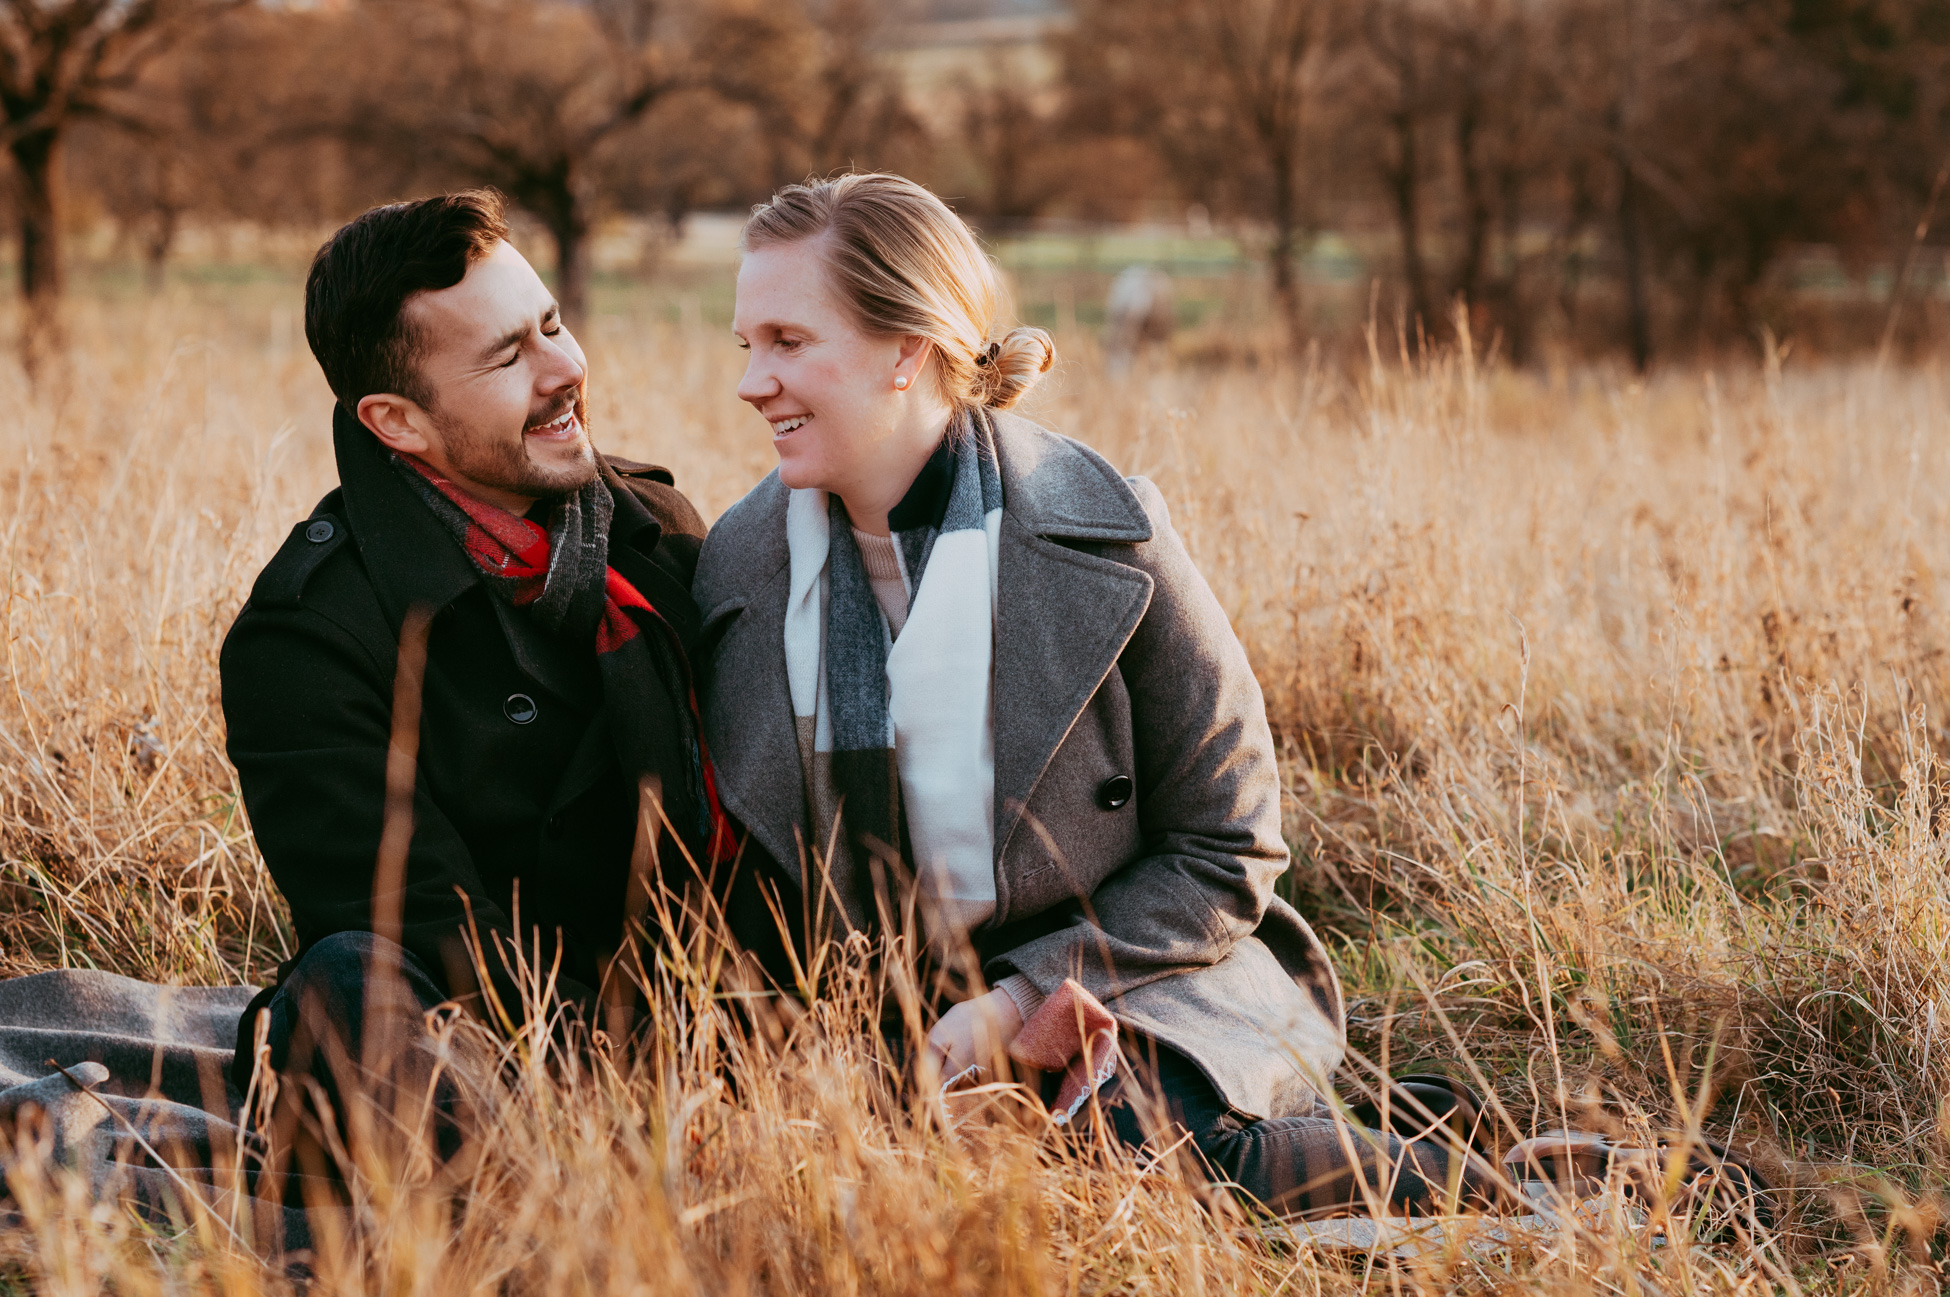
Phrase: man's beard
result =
(493, 462)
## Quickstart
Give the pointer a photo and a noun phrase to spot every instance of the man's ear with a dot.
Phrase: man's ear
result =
(396, 421)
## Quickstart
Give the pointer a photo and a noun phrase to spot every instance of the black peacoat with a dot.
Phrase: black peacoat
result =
(520, 805)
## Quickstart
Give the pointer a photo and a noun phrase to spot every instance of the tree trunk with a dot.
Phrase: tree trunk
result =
(1567, 254)
(38, 203)
(37, 158)
(571, 236)
(1698, 299)
(677, 211)
(161, 241)
(1745, 290)
(1286, 242)
(1516, 320)
(1476, 204)
(565, 214)
(1631, 236)
(1638, 322)
(1405, 182)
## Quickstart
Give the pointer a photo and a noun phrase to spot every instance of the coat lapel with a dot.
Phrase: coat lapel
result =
(744, 578)
(411, 558)
(1064, 616)
(636, 541)
(1064, 613)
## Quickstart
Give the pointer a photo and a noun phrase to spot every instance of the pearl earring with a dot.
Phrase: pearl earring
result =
(900, 384)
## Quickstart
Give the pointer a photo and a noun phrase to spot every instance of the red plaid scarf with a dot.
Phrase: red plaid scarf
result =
(515, 555)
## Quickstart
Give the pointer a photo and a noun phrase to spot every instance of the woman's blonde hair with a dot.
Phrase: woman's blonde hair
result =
(908, 266)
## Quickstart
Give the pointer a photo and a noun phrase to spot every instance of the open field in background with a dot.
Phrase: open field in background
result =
(1059, 274)
(1609, 713)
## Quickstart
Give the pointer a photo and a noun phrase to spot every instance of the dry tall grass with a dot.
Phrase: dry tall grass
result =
(1609, 710)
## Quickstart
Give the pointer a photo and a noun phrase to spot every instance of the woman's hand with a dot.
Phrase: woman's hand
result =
(975, 1031)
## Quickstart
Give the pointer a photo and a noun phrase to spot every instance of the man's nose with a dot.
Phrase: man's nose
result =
(565, 368)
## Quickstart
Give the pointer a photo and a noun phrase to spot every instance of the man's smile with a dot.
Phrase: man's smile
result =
(563, 427)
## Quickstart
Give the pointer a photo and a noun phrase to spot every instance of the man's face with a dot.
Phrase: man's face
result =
(505, 416)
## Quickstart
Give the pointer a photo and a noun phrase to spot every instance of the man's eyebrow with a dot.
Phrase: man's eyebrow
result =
(505, 341)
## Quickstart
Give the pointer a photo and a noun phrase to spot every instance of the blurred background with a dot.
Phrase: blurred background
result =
(1562, 179)
(1608, 707)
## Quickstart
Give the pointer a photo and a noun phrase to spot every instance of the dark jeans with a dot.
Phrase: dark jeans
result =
(350, 1019)
(1291, 1165)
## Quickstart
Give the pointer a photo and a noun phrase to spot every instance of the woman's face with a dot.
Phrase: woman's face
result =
(826, 386)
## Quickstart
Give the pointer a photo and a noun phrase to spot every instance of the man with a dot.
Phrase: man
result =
(550, 589)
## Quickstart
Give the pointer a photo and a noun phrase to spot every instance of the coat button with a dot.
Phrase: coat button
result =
(1114, 792)
(320, 532)
(520, 709)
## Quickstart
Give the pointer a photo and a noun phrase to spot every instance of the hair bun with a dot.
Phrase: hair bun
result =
(1021, 358)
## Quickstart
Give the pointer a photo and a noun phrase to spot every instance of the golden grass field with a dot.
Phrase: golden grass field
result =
(1610, 715)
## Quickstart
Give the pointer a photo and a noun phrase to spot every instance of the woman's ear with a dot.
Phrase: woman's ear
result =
(395, 421)
(910, 360)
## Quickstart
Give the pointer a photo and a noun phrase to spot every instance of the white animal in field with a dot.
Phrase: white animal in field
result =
(1138, 311)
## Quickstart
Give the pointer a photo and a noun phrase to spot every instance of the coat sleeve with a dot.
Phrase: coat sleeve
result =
(1208, 795)
(309, 714)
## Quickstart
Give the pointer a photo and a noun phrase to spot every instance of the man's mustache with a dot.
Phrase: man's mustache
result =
(555, 412)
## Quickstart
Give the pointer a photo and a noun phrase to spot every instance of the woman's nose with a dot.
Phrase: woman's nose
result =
(757, 386)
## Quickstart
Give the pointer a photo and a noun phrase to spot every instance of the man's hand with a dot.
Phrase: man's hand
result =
(975, 1031)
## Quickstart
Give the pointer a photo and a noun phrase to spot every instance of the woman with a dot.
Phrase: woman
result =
(940, 634)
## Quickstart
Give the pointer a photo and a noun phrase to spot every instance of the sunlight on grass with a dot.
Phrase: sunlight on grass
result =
(1608, 714)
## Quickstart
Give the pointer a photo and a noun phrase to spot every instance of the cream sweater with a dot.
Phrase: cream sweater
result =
(888, 576)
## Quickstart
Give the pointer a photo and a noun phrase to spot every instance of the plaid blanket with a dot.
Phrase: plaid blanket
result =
(128, 1083)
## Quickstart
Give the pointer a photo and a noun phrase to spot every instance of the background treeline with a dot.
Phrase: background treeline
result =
(1640, 175)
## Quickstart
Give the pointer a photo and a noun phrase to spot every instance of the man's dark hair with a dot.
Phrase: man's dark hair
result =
(361, 278)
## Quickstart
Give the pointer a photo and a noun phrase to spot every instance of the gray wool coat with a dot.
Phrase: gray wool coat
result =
(1112, 658)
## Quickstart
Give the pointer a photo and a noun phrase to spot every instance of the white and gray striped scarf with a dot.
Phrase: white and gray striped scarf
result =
(897, 736)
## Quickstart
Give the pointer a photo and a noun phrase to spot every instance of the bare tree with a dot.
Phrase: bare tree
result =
(1225, 89)
(1708, 139)
(1674, 154)
(808, 71)
(529, 96)
(210, 138)
(63, 61)
(1007, 130)
(693, 150)
(1449, 109)
(1402, 99)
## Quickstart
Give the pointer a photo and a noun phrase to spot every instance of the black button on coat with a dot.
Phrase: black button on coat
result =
(518, 785)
